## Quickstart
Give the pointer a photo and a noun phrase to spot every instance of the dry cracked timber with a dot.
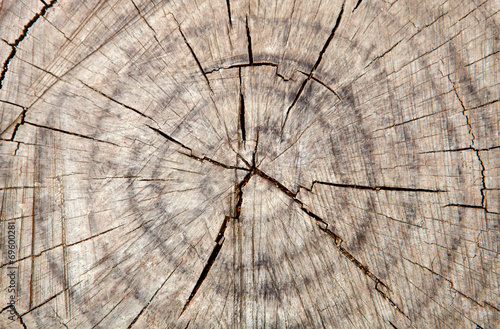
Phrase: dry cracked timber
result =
(226, 164)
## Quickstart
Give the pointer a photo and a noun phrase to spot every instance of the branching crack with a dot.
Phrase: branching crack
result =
(50, 299)
(219, 240)
(238, 66)
(215, 162)
(472, 145)
(323, 84)
(318, 61)
(191, 155)
(461, 149)
(483, 304)
(323, 226)
(19, 316)
(23, 35)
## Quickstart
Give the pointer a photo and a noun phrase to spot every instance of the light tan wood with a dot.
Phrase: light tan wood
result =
(250, 164)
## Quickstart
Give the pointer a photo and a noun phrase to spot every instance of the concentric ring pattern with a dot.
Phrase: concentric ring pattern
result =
(251, 164)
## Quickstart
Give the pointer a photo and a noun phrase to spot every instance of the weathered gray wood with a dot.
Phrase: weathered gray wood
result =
(249, 164)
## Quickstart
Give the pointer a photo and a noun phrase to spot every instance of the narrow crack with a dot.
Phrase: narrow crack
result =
(215, 162)
(151, 299)
(198, 63)
(483, 304)
(118, 102)
(318, 61)
(50, 299)
(383, 54)
(219, 240)
(323, 84)
(368, 187)
(69, 133)
(472, 144)
(23, 35)
(11, 103)
(60, 319)
(143, 18)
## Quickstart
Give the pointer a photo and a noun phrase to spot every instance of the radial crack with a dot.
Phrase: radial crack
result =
(384, 53)
(13, 307)
(205, 158)
(69, 133)
(151, 299)
(118, 102)
(194, 55)
(249, 43)
(21, 38)
(323, 226)
(242, 110)
(22, 116)
(228, 5)
(215, 162)
(374, 188)
(142, 16)
(357, 5)
(171, 139)
(219, 240)
(318, 61)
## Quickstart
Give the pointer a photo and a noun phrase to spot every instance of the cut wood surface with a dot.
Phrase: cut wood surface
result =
(250, 164)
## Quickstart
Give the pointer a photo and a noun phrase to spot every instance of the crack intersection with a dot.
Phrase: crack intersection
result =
(313, 70)
(252, 170)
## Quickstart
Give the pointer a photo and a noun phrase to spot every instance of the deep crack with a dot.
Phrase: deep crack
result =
(323, 226)
(249, 43)
(219, 240)
(242, 110)
(23, 35)
(311, 73)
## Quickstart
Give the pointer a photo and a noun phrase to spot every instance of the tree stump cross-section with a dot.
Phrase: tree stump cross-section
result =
(249, 164)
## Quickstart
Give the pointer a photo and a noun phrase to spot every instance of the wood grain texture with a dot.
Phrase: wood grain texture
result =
(250, 164)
